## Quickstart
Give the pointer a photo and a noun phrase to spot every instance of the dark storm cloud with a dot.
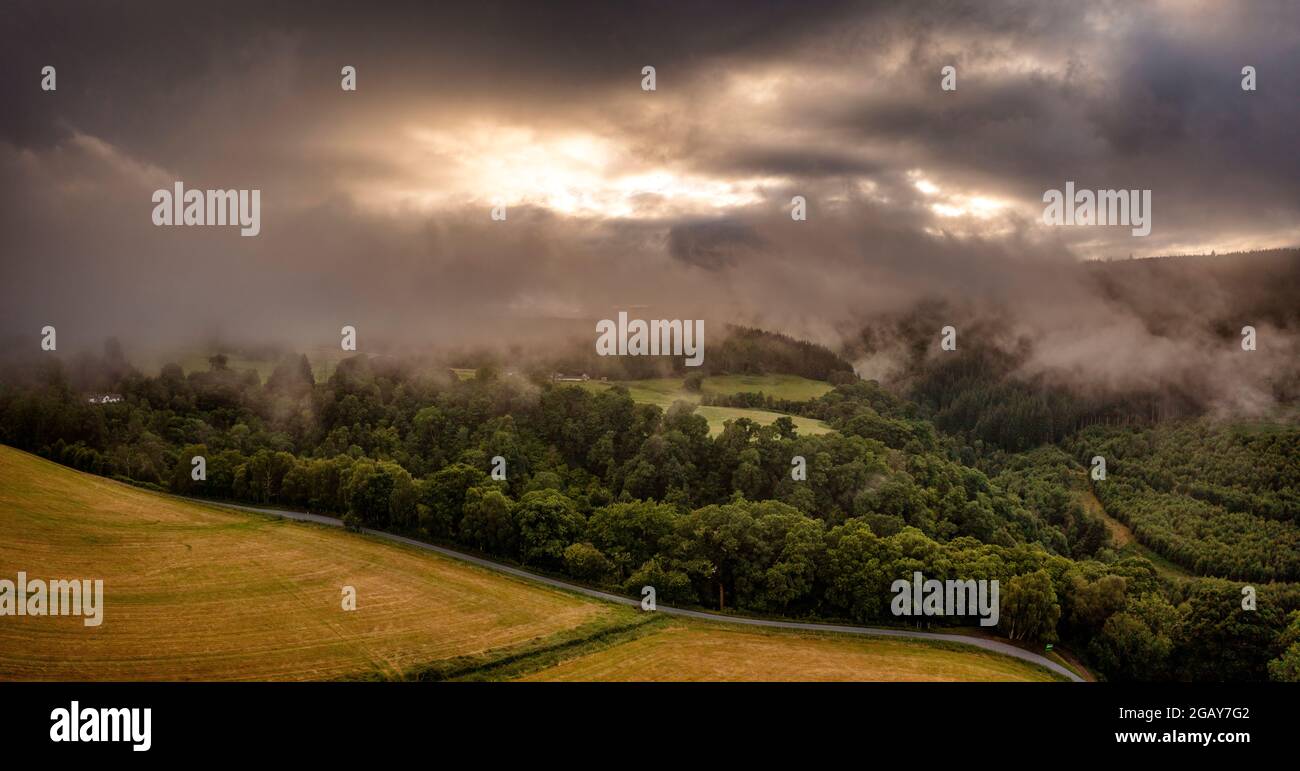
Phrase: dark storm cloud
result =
(796, 162)
(1144, 100)
(134, 67)
(713, 244)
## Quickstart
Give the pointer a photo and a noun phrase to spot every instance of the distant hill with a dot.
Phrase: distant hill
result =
(1214, 290)
(751, 351)
(734, 350)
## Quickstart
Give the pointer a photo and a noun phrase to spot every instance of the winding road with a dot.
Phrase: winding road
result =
(995, 646)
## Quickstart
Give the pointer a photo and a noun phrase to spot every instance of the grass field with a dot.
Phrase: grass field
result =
(663, 392)
(790, 387)
(692, 651)
(198, 592)
(202, 593)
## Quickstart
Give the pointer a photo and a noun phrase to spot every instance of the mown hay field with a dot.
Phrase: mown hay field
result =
(693, 651)
(194, 592)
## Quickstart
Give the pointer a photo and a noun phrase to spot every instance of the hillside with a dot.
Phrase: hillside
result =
(198, 592)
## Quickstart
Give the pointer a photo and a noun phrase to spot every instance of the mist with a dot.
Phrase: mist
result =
(924, 206)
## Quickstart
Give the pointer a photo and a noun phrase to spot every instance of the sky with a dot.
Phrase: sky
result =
(672, 203)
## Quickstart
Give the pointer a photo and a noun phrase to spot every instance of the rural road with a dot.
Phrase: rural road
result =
(978, 642)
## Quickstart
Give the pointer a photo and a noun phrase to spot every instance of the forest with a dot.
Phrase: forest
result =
(1218, 501)
(621, 495)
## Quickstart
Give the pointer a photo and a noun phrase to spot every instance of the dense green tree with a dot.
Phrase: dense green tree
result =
(1029, 607)
(629, 534)
(443, 497)
(587, 562)
(1137, 642)
(1286, 667)
(488, 524)
(547, 523)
